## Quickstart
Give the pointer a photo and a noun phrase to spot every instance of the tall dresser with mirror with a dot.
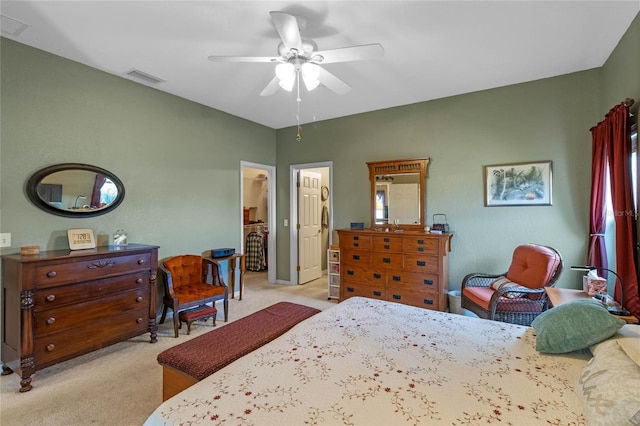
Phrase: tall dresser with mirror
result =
(396, 259)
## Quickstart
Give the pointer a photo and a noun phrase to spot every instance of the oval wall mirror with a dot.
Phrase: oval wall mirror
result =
(75, 190)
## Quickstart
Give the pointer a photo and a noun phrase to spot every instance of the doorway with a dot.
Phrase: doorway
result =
(321, 210)
(257, 210)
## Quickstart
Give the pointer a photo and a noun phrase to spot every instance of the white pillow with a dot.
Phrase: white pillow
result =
(628, 337)
(608, 387)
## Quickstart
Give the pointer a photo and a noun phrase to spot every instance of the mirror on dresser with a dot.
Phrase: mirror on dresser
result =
(75, 190)
(397, 193)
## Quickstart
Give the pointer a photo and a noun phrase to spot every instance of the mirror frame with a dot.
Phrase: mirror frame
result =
(395, 167)
(37, 177)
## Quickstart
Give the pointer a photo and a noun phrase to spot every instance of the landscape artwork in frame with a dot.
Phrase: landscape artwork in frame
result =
(518, 184)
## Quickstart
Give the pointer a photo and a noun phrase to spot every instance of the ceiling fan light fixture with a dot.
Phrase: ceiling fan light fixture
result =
(286, 73)
(310, 74)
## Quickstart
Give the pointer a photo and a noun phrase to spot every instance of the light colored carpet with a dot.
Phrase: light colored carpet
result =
(122, 384)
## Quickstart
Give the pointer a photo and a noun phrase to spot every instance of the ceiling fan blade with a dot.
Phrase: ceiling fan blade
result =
(287, 27)
(332, 82)
(244, 59)
(353, 53)
(271, 88)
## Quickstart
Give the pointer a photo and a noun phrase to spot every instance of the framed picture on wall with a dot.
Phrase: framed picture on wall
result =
(518, 184)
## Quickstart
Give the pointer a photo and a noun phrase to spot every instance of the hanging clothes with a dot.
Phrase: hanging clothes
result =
(255, 252)
(325, 217)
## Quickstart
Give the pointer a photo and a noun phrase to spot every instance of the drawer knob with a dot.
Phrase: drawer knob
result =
(356, 245)
(50, 347)
(139, 281)
(387, 247)
(386, 260)
(50, 320)
(377, 276)
(141, 261)
(350, 272)
(139, 299)
(397, 297)
(51, 274)
(396, 278)
(356, 257)
(139, 320)
(377, 293)
(428, 282)
(351, 289)
(386, 240)
(421, 249)
(428, 301)
(50, 297)
(421, 263)
(420, 241)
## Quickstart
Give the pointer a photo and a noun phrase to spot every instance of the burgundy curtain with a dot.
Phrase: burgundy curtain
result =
(612, 141)
(597, 255)
(97, 186)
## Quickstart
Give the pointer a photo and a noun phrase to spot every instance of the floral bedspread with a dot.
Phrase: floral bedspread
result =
(369, 362)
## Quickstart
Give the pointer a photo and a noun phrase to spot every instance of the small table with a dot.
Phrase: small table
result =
(232, 270)
(558, 296)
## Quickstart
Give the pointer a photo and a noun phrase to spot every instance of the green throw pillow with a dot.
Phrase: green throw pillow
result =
(573, 326)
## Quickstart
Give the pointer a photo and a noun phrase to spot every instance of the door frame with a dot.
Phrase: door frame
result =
(293, 212)
(271, 213)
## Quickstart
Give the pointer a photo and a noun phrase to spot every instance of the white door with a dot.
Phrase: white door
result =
(309, 227)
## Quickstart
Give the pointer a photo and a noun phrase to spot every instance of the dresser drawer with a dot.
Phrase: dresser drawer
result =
(387, 260)
(421, 245)
(358, 241)
(370, 291)
(412, 280)
(356, 257)
(84, 270)
(421, 299)
(62, 318)
(387, 243)
(363, 274)
(78, 293)
(422, 264)
(92, 335)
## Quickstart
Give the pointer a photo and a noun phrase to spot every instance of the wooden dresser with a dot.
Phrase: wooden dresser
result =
(410, 267)
(61, 304)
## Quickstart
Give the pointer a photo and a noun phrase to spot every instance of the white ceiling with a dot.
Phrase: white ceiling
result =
(433, 49)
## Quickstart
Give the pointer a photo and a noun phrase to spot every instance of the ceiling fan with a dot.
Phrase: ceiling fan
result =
(299, 57)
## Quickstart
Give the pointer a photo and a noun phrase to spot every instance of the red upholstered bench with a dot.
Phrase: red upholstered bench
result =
(203, 312)
(187, 363)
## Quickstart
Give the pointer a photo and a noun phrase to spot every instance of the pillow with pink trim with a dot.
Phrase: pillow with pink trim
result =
(504, 282)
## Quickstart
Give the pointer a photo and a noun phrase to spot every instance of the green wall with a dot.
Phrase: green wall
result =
(542, 120)
(179, 161)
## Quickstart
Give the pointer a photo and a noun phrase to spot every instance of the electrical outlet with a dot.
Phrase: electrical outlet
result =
(5, 239)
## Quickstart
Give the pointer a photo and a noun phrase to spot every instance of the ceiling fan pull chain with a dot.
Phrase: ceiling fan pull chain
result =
(298, 100)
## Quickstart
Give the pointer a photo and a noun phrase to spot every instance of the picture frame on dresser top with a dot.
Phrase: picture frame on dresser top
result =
(518, 184)
(61, 304)
(81, 239)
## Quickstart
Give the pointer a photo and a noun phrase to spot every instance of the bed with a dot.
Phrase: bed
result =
(371, 362)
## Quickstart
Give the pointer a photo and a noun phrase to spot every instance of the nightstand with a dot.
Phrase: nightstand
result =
(558, 296)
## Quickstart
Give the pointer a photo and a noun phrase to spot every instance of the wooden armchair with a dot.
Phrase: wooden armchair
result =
(516, 296)
(191, 281)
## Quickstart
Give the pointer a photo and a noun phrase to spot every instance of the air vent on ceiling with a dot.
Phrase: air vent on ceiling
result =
(144, 77)
(11, 26)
